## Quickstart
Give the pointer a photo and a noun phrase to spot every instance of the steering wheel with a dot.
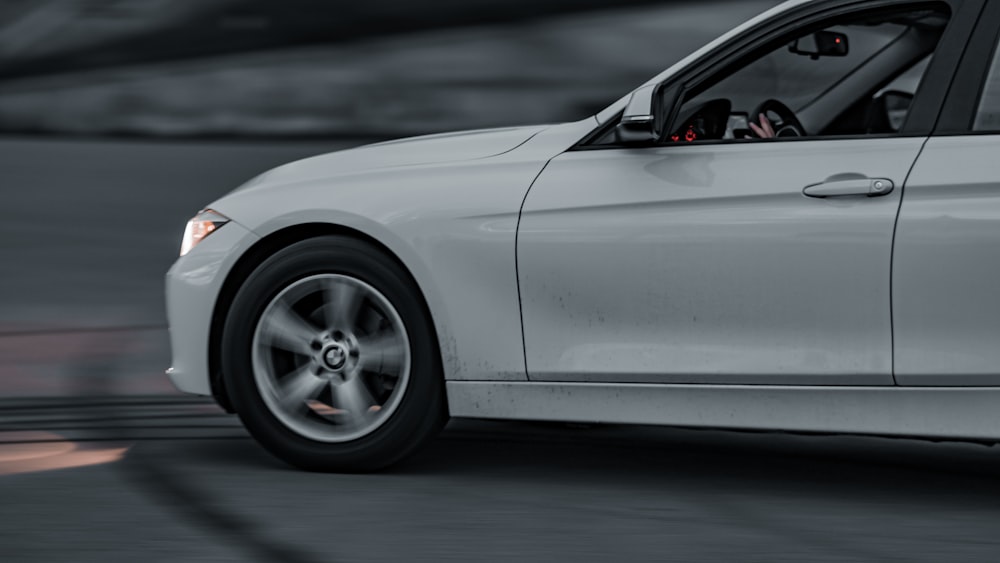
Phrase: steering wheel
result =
(787, 126)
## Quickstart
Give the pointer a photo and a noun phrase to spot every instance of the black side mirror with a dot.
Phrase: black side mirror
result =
(638, 123)
(821, 44)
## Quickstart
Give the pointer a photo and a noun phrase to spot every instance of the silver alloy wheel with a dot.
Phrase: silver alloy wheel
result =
(331, 358)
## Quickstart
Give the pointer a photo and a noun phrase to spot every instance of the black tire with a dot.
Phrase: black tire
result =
(422, 410)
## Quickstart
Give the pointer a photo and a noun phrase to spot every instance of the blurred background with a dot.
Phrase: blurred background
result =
(120, 119)
(320, 68)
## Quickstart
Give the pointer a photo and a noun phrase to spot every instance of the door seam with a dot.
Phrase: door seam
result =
(517, 265)
(892, 261)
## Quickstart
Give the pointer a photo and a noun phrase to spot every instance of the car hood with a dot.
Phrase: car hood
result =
(430, 149)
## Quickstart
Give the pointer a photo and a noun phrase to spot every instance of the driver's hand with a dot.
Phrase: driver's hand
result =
(765, 130)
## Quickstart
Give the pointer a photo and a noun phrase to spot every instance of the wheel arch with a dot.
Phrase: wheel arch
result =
(260, 251)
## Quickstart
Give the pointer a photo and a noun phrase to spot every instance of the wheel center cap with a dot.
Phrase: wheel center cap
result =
(335, 356)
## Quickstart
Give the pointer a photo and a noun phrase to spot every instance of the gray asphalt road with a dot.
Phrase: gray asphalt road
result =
(191, 486)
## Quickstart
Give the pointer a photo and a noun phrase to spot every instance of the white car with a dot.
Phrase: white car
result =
(677, 259)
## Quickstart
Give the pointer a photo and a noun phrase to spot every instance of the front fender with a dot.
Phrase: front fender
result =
(452, 225)
(456, 241)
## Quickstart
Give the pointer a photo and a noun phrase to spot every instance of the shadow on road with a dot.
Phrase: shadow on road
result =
(829, 467)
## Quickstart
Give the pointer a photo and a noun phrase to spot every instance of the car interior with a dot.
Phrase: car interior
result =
(855, 77)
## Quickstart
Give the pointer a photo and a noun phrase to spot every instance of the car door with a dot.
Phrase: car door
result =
(946, 269)
(708, 263)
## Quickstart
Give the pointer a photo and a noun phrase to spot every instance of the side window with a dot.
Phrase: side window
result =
(854, 76)
(988, 115)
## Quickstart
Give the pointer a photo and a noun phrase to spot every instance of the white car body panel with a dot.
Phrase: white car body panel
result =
(707, 264)
(946, 270)
(193, 284)
(428, 149)
(453, 225)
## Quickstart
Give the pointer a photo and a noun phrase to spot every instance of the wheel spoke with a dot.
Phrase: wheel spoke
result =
(383, 352)
(343, 301)
(298, 387)
(287, 330)
(368, 321)
(353, 396)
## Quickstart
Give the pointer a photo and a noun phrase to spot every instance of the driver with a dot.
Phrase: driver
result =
(763, 131)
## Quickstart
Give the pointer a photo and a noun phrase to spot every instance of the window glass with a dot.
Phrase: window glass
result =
(988, 116)
(866, 87)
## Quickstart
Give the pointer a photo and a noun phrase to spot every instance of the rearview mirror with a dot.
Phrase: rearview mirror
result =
(821, 44)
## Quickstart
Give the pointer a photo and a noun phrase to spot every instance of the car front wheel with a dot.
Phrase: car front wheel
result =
(330, 358)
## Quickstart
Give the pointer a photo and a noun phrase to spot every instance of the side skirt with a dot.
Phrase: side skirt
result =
(971, 413)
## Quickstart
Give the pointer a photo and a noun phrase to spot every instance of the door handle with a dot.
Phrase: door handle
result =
(871, 187)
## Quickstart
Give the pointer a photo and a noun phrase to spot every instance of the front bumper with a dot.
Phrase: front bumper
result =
(192, 289)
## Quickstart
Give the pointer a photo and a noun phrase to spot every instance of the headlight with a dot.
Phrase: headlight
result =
(203, 224)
